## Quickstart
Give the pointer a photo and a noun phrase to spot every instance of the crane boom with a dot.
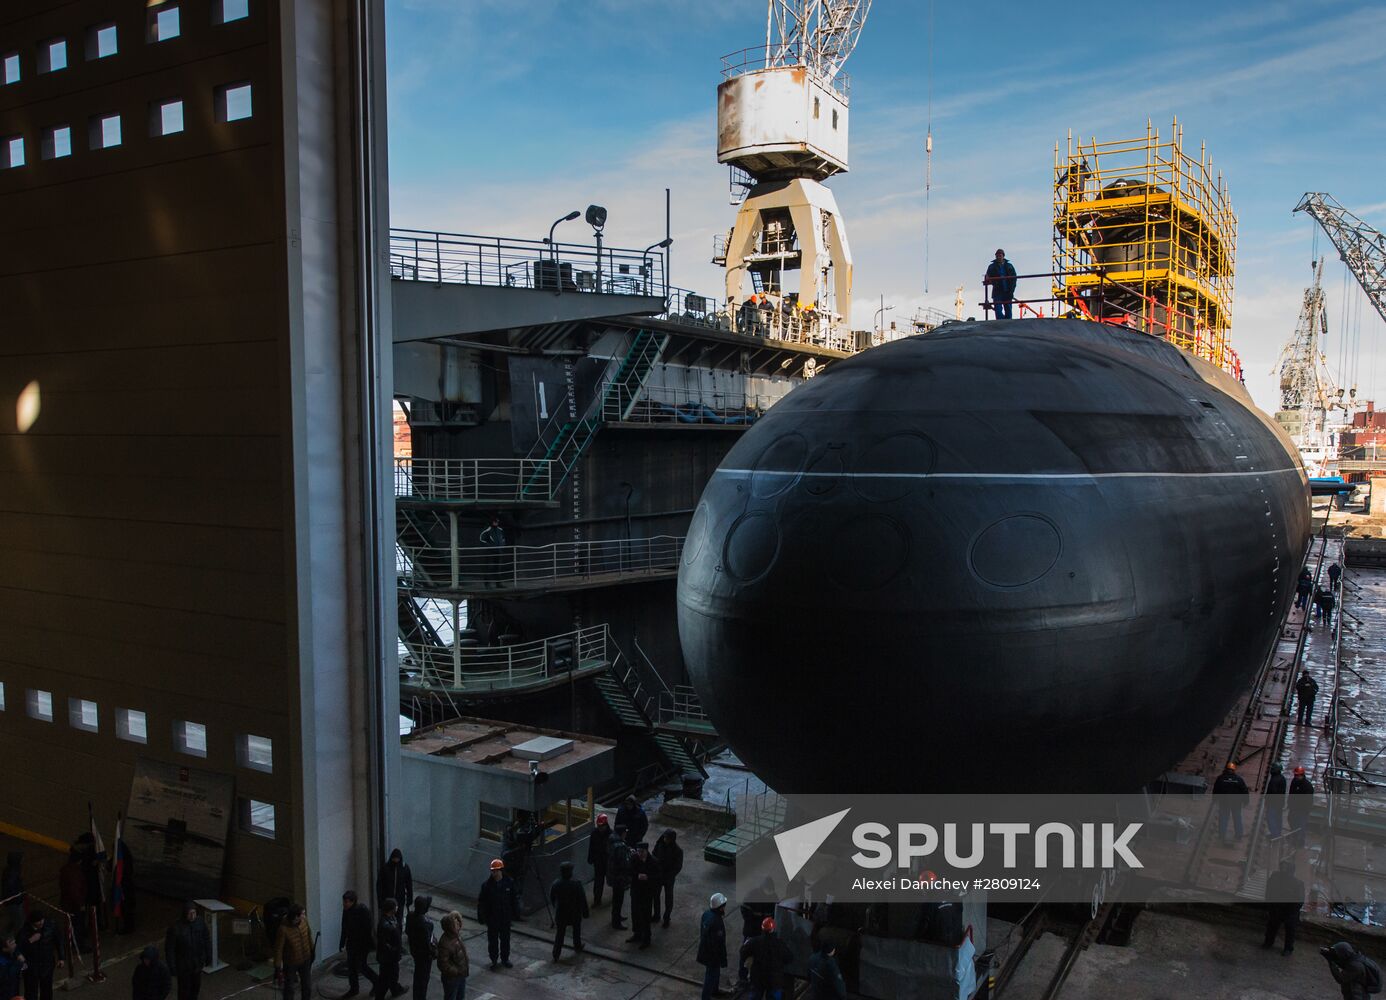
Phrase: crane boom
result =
(1361, 247)
(820, 34)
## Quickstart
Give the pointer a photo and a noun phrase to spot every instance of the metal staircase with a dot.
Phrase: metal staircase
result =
(614, 401)
(625, 695)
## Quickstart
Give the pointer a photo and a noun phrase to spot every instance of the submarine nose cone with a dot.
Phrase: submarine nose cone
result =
(1026, 555)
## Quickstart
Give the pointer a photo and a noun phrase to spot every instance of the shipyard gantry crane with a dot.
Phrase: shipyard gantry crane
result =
(1362, 248)
(782, 127)
(1308, 391)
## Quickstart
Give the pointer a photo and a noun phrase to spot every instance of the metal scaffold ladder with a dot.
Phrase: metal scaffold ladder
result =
(624, 694)
(614, 401)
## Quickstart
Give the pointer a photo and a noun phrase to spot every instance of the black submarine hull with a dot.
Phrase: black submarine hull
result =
(1039, 555)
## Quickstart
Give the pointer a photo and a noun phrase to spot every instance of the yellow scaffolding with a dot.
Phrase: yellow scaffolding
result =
(1145, 237)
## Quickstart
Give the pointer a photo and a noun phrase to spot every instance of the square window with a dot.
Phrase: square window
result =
(101, 41)
(52, 56)
(132, 725)
(11, 67)
(168, 118)
(12, 152)
(105, 132)
(233, 102)
(57, 142)
(255, 752)
(257, 817)
(230, 10)
(190, 738)
(83, 715)
(164, 24)
(40, 705)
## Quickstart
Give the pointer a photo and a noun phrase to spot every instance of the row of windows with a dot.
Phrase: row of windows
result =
(103, 41)
(233, 104)
(253, 752)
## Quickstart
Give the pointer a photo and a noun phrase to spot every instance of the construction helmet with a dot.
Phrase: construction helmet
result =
(768, 925)
(601, 819)
(1299, 772)
(717, 901)
(1231, 766)
(497, 865)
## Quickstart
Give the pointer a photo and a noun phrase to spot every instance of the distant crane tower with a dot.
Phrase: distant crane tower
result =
(1307, 389)
(1362, 248)
(782, 120)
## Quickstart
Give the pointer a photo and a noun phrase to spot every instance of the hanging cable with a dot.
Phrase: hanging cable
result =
(929, 146)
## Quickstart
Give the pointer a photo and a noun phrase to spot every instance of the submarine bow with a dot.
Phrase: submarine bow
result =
(1038, 555)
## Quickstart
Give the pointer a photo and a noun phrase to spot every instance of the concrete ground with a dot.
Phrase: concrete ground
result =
(1175, 956)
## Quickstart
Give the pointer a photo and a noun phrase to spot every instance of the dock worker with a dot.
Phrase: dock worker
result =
(825, 976)
(1233, 792)
(1307, 689)
(1284, 900)
(358, 937)
(598, 852)
(644, 882)
(712, 945)
(1304, 587)
(1298, 805)
(389, 949)
(493, 537)
(496, 906)
(418, 929)
(1000, 278)
(293, 954)
(631, 821)
(618, 875)
(670, 857)
(1275, 801)
(1357, 976)
(569, 901)
(1334, 572)
(1327, 602)
(768, 955)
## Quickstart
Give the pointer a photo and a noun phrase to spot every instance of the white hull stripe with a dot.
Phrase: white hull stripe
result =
(1010, 476)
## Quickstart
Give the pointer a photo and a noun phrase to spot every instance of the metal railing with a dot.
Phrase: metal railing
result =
(681, 704)
(665, 405)
(761, 57)
(473, 480)
(474, 668)
(459, 258)
(518, 567)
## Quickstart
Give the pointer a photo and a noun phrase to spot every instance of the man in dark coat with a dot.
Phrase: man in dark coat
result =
(670, 857)
(1284, 900)
(752, 916)
(357, 940)
(1306, 689)
(419, 930)
(768, 955)
(618, 874)
(188, 947)
(151, 980)
(496, 906)
(389, 949)
(72, 897)
(1232, 794)
(41, 946)
(1275, 801)
(569, 901)
(824, 975)
(1326, 605)
(712, 944)
(395, 882)
(598, 852)
(644, 881)
(1298, 805)
(1000, 278)
(1334, 572)
(1349, 969)
(1303, 588)
(631, 821)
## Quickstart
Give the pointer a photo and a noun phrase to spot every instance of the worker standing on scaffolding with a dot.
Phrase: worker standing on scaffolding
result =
(1000, 277)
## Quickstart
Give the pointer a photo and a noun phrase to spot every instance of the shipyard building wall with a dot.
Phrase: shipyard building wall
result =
(187, 542)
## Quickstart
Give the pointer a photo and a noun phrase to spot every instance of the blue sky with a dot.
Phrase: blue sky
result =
(505, 114)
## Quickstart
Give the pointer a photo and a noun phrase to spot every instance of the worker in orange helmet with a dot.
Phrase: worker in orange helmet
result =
(497, 904)
(1300, 803)
(768, 955)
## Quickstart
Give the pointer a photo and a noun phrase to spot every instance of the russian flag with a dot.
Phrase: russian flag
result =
(122, 860)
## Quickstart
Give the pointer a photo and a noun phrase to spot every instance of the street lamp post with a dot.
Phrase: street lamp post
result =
(880, 320)
(663, 244)
(553, 247)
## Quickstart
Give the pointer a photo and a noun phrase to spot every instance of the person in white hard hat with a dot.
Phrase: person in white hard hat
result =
(712, 945)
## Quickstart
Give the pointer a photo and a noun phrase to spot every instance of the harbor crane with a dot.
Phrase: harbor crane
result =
(1361, 247)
